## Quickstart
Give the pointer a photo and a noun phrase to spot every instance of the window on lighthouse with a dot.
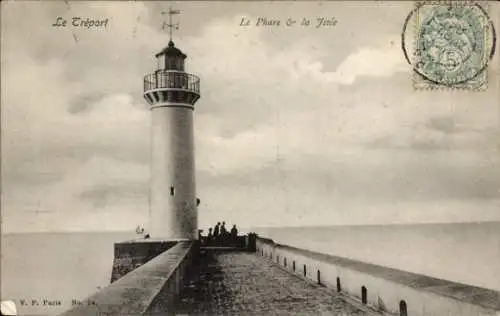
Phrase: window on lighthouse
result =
(174, 63)
(180, 64)
(161, 62)
(170, 63)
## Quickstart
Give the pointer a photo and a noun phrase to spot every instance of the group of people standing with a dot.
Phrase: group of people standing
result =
(220, 234)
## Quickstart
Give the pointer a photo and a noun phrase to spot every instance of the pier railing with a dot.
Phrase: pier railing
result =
(172, 79)
(383, 289)
(241, 242)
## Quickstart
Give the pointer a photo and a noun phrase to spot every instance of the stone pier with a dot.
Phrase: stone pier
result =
(241, 283)
(256, 276)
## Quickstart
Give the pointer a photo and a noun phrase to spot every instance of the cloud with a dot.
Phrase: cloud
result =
(244, 119)
(372, 62)
(105, 175)
(86, 198)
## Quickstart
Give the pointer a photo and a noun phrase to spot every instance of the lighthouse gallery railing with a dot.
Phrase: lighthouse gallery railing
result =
(172, 79)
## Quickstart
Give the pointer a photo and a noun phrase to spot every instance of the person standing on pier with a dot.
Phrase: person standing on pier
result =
(234, 234)
(223, 230)
(216, 230)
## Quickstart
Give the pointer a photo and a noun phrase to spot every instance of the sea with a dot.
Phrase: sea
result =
(47, 271)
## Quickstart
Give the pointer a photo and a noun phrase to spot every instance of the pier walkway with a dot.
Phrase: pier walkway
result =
(239, 283)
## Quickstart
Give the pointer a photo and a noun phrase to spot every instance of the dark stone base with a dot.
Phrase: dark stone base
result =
(132, 254)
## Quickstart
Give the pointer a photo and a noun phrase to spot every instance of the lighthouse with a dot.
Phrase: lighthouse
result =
(171, 94)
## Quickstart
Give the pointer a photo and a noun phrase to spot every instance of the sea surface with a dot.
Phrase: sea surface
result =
(60, 267)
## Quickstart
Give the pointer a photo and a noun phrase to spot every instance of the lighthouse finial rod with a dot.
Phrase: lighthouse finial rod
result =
(170, 25)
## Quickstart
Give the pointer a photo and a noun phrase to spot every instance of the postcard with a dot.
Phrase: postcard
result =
(250, 158)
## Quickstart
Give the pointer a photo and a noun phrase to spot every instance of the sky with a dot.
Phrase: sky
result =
(296, 126)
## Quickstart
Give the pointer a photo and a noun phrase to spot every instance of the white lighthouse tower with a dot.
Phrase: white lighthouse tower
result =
(171, 94)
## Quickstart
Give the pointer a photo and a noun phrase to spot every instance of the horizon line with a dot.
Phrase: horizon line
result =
(260, 227)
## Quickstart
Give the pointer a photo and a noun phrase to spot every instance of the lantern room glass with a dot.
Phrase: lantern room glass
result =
(161, 62)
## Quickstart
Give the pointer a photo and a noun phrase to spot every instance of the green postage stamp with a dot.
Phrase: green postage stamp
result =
(453, 41)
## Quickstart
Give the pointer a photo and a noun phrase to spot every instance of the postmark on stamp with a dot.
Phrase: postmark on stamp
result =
(452, 45)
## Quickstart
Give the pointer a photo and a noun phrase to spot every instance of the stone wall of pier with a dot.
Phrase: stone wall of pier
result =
(150, 289)
(383, 289)
(130, 255)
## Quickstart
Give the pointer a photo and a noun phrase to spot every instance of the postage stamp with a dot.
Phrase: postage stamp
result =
(453, 41)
